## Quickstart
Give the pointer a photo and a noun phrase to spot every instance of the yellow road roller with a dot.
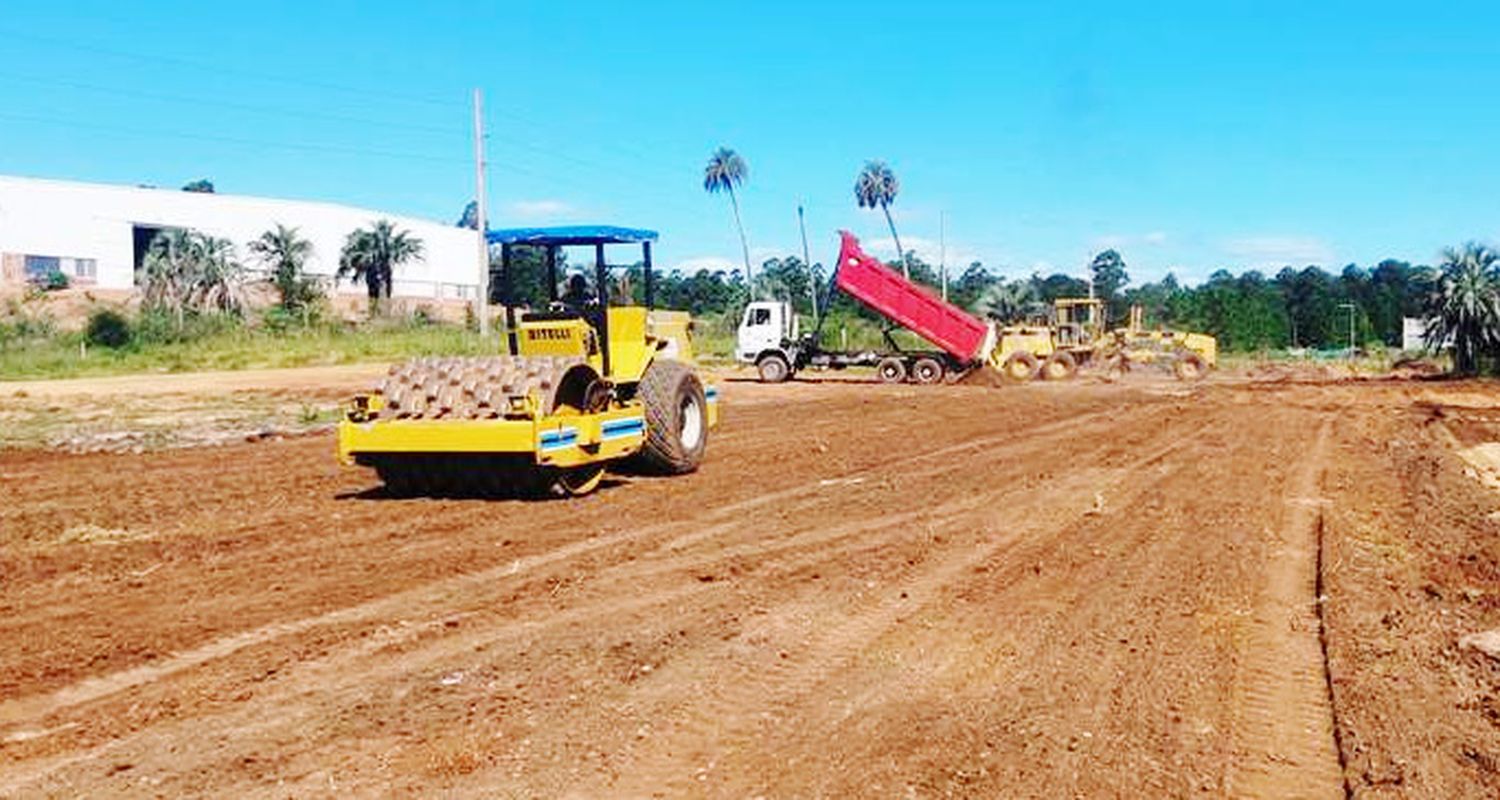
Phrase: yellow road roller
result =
(582, 384)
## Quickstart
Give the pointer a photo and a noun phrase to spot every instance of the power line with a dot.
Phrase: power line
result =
(319, 148)
(221, 69)
(197, 101)
(501, 165)
(266, 110)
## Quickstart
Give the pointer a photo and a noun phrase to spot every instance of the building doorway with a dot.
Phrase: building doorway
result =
(141, 238)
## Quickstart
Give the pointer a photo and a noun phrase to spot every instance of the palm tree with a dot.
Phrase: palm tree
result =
(285, 252)
(1463, 305)
(371, 256)
(877, 186)
(726, 169)
(168, 273)
(185, 270)
(219, 283)
(1005, 302)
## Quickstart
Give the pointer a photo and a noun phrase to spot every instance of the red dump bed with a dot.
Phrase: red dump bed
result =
(914, 308)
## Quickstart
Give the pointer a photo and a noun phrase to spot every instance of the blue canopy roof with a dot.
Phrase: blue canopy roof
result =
(570, 235)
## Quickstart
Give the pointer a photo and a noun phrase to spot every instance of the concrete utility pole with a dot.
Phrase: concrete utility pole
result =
(943, 250)
(1351, 308)
(812, 282)
(482, 289)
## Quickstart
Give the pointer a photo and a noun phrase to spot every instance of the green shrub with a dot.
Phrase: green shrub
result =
(157, 326)
(278, 319)
(55, 281)
(108, 328)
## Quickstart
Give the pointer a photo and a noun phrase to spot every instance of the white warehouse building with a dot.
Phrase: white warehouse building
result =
(97, 234)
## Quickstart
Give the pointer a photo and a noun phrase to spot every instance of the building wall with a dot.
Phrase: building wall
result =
(89, 228)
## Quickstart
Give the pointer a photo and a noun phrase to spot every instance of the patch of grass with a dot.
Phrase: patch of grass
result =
(232, 348)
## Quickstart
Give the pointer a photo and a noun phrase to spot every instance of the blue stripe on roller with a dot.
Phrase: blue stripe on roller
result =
(711, 394)
(558, 439)
(616, 428)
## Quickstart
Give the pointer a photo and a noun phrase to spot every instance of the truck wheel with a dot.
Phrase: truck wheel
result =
(927, 370)
(1060, 366)
(773, 369)
(1020, 366)
(676, 418)
(891, 370)
(1189, 367)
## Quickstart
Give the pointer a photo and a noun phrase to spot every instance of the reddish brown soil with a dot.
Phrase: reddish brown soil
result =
(866, 591)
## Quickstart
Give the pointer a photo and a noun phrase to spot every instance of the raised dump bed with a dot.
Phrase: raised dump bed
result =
(769, 338)
(946, 326)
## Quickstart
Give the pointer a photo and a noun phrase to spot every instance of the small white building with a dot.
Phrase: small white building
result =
(98, 234)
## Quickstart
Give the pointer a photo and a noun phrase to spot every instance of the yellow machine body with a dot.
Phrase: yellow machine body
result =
(1014, 339)
(560, 440)
(1078, 327)
(636, 337)
(565, 438)
(580, 384)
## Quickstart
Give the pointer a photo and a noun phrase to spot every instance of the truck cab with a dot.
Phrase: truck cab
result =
(766, 332)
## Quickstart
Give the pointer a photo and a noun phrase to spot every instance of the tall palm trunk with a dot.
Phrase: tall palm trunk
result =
(1465, 356)
(901, 254)
(744, 243)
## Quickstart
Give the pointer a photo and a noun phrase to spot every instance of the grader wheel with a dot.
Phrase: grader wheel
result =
(1020, 367)
(1189, 367)
(1115, 367)
(1060, 366)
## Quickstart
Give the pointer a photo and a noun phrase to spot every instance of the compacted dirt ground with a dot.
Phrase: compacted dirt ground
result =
(1239, 588)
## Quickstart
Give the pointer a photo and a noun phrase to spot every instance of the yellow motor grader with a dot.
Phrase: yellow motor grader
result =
(1077, 338)
(582, 385)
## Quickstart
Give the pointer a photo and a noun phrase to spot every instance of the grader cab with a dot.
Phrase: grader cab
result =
(582, 384)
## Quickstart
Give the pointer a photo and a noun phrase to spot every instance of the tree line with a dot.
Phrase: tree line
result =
(186, 272)
(1308, 307)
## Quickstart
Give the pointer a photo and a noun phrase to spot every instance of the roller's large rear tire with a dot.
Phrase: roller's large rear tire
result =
(676, 418)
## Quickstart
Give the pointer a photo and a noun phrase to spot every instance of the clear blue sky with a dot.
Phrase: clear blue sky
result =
(1191, 136)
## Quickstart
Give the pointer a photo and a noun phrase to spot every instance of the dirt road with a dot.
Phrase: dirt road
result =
(1250, 590)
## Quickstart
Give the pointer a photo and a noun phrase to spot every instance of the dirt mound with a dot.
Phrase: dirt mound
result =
(984, 375)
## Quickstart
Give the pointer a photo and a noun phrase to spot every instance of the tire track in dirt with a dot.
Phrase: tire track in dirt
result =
(315, 679)
(1140, 549)
(728, 516)
(319, 684)
(998, 448)
(702, 735)
(1285, 736)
